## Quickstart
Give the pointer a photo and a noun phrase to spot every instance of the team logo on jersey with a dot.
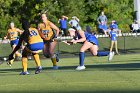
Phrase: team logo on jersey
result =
(45, 32)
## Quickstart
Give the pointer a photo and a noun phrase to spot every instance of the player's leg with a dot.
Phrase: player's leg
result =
(52, 54)
(65, 31)
(116, 47)
(85, 46)
(13, 45)
(112, 44)
(46, 51)
(24, 62)
(17, 54)
(38, 63)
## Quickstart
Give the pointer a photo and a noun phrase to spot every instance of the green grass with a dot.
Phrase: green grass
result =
(122, 75)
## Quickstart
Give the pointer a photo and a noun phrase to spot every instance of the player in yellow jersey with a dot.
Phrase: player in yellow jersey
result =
(12, 35)
(46, 32)
(34, 45)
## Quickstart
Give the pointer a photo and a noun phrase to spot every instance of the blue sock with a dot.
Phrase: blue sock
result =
(103, 53)
(81, 58)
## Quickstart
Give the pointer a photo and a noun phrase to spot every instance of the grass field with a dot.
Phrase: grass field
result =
(122, 75)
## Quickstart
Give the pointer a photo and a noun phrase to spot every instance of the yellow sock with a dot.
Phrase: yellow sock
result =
(11, 61)
(24, 64)
(37, 59)
(54, 61)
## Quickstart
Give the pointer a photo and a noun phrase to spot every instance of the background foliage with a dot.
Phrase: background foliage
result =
(86, 10)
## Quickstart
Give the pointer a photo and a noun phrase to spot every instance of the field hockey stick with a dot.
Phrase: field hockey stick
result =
(64, 38)
(3, 60)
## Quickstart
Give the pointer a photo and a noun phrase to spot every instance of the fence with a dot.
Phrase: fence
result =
(127, 43)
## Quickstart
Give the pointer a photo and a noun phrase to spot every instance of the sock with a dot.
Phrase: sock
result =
(54, 61)
(37, 59)
(102, 53)
(53, 58)
(24, 64)
(12, 61)
(81, 58)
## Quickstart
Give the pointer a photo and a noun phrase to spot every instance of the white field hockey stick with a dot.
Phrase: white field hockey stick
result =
(64, 38)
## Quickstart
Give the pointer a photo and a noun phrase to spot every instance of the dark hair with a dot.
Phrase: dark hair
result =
(26, 26)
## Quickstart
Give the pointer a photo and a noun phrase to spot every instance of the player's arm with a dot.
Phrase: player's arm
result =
(59, 20)
(82, 39)
(65, 17)
(39, 31)
(55, 28)
(20, 31)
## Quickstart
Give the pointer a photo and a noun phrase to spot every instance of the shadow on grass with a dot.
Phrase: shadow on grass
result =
(72, 91)
(100, 67)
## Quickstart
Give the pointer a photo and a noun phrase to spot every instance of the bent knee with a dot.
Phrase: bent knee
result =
(94, 53)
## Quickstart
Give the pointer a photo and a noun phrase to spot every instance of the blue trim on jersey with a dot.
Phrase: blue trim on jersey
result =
(91, 38)
(36, 46)
(115, 26)
(63, 23)
(14, 42)
(113, 35)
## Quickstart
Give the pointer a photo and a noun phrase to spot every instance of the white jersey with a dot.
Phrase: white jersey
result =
(135, 26)
(74, 23)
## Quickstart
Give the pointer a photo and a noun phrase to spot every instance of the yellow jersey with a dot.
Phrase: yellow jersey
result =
(12, 34)
(46, 30)
(34, 36)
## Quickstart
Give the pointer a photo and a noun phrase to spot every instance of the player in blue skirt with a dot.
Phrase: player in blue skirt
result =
(34, 46)
(90, 42)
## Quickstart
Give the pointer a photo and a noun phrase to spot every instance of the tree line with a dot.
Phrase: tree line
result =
(86, 10)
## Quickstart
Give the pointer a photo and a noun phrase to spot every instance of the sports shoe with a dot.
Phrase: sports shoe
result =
(38, 70)
(24, 73)
(81, 67)
(55, 67)
(110, 56)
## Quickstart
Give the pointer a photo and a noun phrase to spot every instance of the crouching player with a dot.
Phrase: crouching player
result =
(34, 45)
(90, 42)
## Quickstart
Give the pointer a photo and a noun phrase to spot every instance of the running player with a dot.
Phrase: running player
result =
(12, 35)
(46, 30)
(90, 42)
(34, 45)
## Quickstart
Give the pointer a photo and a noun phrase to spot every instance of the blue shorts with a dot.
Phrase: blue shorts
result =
(14, 42)
(36, 46)
(92, 39)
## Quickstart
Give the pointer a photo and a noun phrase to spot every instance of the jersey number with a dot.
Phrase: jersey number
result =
(33, 33)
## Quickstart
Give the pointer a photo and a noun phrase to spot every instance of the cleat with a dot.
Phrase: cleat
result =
(55, 67)
(24, 73)
(38, 70)
(81, 67)
(110, 56)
